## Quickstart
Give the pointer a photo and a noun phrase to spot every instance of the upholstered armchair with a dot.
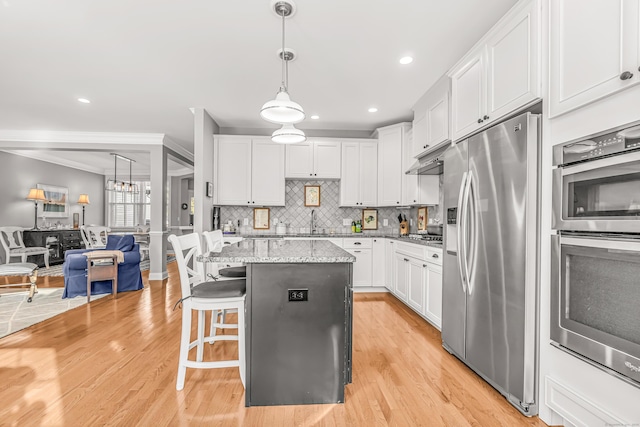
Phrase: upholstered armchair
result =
(129, 276)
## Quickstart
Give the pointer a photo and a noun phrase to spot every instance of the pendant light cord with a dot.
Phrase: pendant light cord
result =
(285, 83)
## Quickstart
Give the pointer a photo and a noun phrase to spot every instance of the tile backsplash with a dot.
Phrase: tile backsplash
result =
(329, 215)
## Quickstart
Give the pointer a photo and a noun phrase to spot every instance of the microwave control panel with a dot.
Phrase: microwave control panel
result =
(604, 145)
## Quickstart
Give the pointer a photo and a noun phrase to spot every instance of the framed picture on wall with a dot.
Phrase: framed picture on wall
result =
(209, 189)
(422, 218)
(261, 220)
(312, 195)
(369, 219)
(56, 204)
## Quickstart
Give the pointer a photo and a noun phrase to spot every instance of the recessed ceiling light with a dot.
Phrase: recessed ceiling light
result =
(373, 109)
(84, 100)
(406, 60)
(315, 117)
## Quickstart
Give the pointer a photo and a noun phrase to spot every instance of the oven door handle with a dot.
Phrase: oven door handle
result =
(601, 163)
(557, 201)
(613, 246)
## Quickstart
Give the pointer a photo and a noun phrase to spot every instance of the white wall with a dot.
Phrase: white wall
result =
(18, 174)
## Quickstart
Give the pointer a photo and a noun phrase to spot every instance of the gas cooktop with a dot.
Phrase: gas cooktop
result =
(427, 237)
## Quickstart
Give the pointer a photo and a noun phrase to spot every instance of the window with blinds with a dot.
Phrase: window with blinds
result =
(129, 209)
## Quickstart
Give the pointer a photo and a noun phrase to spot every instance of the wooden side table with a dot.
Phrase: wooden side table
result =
(102, 270)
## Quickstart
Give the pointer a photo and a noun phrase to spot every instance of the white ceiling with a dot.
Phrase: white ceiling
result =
(144, 63)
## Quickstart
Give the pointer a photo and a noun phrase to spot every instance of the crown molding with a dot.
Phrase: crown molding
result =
(57, 161)
(179, 149)
(65, 137)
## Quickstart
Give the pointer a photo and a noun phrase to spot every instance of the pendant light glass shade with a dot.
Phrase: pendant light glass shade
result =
(288, 134)
(282, 109)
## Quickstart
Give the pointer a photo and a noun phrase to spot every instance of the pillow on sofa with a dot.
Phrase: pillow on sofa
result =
(120, 243)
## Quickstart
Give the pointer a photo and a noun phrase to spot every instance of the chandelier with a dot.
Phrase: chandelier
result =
(121, 186)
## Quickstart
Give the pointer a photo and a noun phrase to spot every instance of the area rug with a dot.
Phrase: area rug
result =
(56, 270)
(16, 313)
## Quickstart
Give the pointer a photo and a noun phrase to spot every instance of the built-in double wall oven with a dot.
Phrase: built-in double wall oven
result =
(595, 286)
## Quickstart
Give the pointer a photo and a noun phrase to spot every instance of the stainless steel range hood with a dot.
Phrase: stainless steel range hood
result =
(429, 164)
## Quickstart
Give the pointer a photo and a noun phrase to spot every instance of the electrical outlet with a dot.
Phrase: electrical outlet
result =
(385, 222)
(246, 221)
(346, 221)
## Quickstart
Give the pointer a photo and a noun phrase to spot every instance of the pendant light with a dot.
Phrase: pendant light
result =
(282, 109)
(288, 134)
(121, 186)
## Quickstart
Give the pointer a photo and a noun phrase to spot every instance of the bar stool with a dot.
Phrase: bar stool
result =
(204, 296)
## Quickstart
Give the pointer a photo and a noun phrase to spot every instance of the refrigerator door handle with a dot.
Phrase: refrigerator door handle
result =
(465, 222)
(460, 230)
(471, 251)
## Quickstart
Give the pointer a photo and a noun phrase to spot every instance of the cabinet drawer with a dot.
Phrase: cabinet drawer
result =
(434, 255)
(350, 243)
(414, 250)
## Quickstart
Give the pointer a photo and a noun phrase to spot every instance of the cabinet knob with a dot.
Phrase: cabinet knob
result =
(406, 260)
(315, 174)
(435, 256)
(626, 75)
(480, 120)
(424, 265)
(486, 117)
(310, 174)
(357, 243)
(398, 202)
(414, 201)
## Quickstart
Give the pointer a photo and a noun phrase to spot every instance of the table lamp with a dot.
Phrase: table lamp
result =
(36, 194)
(83, 200)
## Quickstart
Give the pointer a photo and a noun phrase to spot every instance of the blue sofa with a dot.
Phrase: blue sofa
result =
(129, 277)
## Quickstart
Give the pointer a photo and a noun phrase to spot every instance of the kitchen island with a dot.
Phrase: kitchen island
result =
(298, 319)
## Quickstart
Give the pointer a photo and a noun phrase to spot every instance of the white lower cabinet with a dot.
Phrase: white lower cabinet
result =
(389, 261)
(362, 267)
(433, 303)
(400, 268)
(378, 252)
(416, 283)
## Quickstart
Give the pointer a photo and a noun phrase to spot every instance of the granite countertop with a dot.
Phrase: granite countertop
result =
(279, 251)
(340, 236)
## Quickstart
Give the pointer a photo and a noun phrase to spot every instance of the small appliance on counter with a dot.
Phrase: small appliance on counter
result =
(229, 228)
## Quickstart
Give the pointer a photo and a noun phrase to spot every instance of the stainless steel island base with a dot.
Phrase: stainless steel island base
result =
(298, 333)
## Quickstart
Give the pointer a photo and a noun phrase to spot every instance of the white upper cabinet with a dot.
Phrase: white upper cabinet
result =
(317, 159)
(359, 174)
(390, 163)
(233, 170)
(594, 51)
(250, 171)
(267, 173)
(299, 160)
(409, 182)
(431, 118)
(468, 96)
(500, 74)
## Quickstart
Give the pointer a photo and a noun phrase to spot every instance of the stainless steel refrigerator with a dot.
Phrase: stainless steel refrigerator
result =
(490, 263)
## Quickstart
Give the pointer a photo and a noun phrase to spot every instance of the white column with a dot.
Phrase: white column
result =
(203, 168)
(158, 233)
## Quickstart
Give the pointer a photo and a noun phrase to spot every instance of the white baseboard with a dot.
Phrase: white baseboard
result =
(159, 276)
(369, 289)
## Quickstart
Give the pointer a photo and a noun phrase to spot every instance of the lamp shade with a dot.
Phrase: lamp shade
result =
(36, 194)
(282, 110)
(83, 199)
(288, 134)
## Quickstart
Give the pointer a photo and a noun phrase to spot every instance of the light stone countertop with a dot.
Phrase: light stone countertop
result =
(340, 236)
(280, 251)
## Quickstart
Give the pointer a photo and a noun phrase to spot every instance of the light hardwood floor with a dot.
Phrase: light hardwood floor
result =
(114, 362)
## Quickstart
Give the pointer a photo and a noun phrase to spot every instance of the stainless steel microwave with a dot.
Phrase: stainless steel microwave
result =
(596, 185)
(595, 295)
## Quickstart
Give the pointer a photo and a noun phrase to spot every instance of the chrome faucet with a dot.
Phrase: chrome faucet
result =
(313, 221)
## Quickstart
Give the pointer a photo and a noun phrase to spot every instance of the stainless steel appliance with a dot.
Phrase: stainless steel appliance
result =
(490, 258)
(429, 164)
(596, 186)
(595, 291)
(595, 295)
